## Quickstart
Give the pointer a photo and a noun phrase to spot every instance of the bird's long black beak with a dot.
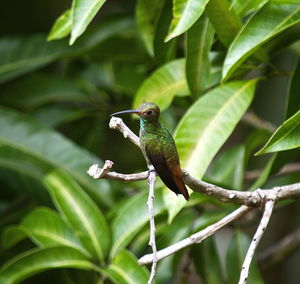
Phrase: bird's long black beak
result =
(126, 111)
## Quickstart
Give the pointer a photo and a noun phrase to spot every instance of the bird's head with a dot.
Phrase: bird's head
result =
(148, 112)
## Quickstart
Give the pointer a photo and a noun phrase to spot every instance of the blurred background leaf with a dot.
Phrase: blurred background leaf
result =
(56, 100)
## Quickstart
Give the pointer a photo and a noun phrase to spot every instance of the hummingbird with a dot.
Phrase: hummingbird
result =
(158, 147)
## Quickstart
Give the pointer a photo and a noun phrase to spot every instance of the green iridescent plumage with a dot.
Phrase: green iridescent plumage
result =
(159, 147)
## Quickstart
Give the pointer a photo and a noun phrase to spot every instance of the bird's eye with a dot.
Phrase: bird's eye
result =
(149, 112)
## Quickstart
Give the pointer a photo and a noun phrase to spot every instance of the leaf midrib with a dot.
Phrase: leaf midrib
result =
(284, 136)
(85, 221)
(216, 118)
(79, 24)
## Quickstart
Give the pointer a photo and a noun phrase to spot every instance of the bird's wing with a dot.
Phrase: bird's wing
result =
(170, 173)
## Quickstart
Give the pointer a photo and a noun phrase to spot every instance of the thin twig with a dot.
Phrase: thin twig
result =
(197, 237)
(94, 170)
(287, 169)
(252, 119)
(97, 172)
(255, 241)
(150, 204)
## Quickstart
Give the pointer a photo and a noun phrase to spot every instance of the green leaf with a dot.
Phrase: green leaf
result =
(206, 253)
(60, 114)
(273, 18)
(11, 236)
(62, 26)
(130, 218)
(185, 14)
(264, 174)
(286, 137)
(228, 170)
(293, 104)
(26, 136)
(83, 12)
(209, 122)
(225, 21)
(205, 127)
(235, 257)
(47, 229)
(37, 260)
(81, 213)
(246, 7)
(171, 234)
(39, 89)
(163, 84)
(19, 55)
(147, 16)
(199, 39)
(164, 51)
(124, 269)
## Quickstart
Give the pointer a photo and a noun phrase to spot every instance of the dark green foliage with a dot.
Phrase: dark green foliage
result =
(206, 64)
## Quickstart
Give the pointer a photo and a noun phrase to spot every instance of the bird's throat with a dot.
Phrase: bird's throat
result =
(149, 127)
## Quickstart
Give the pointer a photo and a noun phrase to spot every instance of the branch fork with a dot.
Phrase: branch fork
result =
(262, 198)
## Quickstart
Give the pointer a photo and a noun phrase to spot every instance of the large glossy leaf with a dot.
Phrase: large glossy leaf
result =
(163, 84)
(62, 26)
(225, 21)
(46, 149)
(234, 259)
(147, 16)
(185, 14)
(38, 260)
(209, 122)
(286, 137)
(130, 218)
(60, 114)
(246, 7)
(273, 18)
(124, 269)
(47, 229)
(20, 55)
(17, 168)
(205, 127)
(199, 40)
(40, 89)
(81, 213)
(83, 12)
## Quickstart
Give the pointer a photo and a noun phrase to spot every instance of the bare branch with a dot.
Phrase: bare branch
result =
(254, 198)
(255, 241)
(257, 198)
(197, 237)
(150, 204)
(94, 170)
(97, 173)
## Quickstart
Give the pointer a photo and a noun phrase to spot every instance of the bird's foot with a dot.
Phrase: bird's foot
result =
(151, 169)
